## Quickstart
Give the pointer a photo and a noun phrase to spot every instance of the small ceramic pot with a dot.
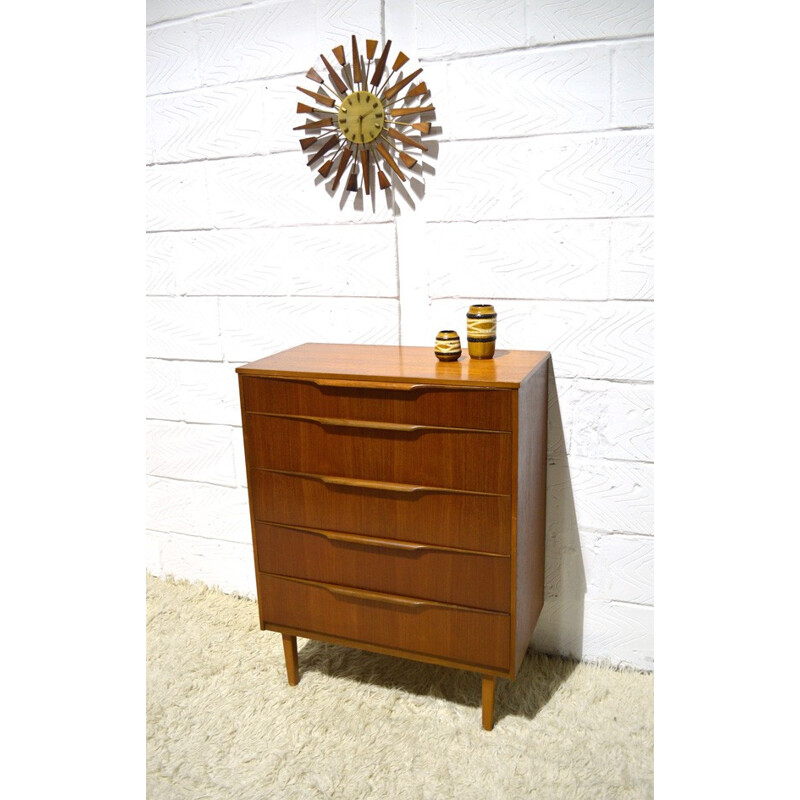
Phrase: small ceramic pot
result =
(481, 330)
(448, 346)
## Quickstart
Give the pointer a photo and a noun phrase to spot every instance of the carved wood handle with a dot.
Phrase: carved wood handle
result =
(358, 483)
(376, 597)
(394, 387)
(369, 541)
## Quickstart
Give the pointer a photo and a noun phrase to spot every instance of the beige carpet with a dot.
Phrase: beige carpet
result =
(223, 723)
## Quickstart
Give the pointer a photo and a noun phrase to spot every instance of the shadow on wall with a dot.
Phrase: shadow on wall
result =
(560, 626)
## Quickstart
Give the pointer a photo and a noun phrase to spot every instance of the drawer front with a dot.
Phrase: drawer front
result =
(488, 409)
(477, 638)
(458, 459)
(413, 569)
(468, 521)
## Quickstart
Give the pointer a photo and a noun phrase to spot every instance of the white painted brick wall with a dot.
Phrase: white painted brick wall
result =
(539, 198)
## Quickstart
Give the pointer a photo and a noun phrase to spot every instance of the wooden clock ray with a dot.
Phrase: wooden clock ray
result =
(366, 114)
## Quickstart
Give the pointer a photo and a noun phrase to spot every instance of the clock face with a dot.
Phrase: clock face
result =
(365, 117)
(361, 117)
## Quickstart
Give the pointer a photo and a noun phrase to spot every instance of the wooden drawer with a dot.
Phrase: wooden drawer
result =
(455, 519)
(488, 409)
(427, 456)
(382, 565)
(422, 627)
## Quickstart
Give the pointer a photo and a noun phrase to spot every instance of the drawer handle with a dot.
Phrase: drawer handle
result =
(398, 427)
(376, 597)
(405, 488)
(393, 387)
(381, 486)
(330, 422)
(367, 541)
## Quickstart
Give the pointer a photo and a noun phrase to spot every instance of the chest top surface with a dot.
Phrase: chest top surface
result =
(508, 368)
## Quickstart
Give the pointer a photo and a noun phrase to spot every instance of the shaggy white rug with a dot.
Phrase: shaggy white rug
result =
(223, 723)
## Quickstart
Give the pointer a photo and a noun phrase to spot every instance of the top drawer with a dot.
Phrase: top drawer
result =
(486, 409)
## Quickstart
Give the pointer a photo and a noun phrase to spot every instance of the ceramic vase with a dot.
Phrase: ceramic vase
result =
(448, 346)
(481, 330)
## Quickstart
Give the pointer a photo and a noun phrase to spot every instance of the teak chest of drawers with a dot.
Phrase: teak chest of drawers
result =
(397, 502)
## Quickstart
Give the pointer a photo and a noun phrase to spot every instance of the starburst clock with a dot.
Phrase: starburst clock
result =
(366, 115)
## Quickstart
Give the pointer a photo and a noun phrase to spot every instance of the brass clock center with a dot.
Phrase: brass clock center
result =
(361, 117)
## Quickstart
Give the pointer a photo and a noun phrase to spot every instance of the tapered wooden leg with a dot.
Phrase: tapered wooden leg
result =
(487, 700)
(290, 653)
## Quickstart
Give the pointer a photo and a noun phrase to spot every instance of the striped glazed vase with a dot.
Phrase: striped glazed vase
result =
(481, 330)
(448, 346)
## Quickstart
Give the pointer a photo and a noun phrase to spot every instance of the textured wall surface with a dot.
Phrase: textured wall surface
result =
(538, 198)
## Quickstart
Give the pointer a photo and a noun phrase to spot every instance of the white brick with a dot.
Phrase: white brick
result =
(160, 10)
(625, 568)
(633, 84)
(337, 22)
(279, 98)
(253, 328)
(280, 190)
(159, 265)
(183, 327)
(359, 260)
(239, 463)
(227, 566)
(163, 390)
(467, 26)
(222, 512)
(210, 393)
(566, 20)
(255, 41)
(560, 626)
(544, 178)
(177, 197)
(528, 92)
(612, 420)
(208, 123)
(223, 262)
(190, 452)
(198, 509)
(171, 58)
(609, 496)
(619, 633)
(562, 259)
(632, 261)
(559, 418)
(170, 505)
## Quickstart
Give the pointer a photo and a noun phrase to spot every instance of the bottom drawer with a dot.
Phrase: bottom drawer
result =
(383, 565)
(465, 635)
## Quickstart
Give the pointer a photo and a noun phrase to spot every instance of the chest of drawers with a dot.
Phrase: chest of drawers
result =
(397, 502)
